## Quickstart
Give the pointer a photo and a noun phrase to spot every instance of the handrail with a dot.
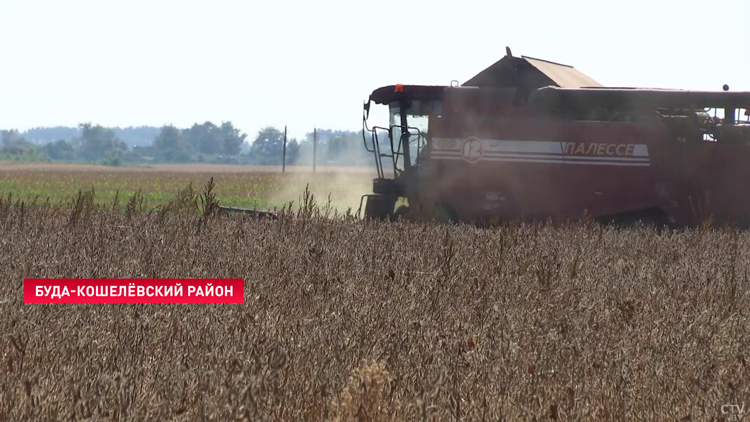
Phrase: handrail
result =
(375, 145)
(395, 149)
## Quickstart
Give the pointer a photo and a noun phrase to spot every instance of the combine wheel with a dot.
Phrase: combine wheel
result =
(403, 212)
(444, 214)
(440, 213)
(653, 217)
(379, 207)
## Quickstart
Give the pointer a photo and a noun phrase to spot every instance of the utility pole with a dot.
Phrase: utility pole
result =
(315, 147)
(283, 154)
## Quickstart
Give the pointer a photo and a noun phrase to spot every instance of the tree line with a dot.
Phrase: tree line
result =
(200, 143)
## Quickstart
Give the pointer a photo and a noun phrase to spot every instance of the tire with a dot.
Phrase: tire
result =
(379, 207)
(403, 212)
(444, 214)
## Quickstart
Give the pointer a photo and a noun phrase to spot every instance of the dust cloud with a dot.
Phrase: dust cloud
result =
(343, 186)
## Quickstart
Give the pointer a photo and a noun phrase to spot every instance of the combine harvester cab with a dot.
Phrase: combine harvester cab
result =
(528, 140)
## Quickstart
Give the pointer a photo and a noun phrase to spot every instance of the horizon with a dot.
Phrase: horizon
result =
(145, 64)
(323, 133)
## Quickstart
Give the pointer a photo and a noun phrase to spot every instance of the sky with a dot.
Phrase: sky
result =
(313, 63)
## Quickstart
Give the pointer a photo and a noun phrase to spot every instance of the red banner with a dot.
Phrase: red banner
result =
(189, 290)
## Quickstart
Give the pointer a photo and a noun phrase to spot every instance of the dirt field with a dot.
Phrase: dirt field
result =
(347, 320)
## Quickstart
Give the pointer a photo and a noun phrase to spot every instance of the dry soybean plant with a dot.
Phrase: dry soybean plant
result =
(351, 320)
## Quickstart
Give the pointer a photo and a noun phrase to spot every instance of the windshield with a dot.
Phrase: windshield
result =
(417, 124)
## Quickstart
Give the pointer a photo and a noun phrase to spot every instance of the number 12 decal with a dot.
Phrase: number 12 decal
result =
(472, 149)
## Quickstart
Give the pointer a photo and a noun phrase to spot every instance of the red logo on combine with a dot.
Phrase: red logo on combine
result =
(472, 149)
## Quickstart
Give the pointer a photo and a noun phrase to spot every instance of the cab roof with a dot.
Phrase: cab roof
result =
(391, 93)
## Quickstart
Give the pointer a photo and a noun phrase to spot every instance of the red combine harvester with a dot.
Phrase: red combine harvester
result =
(528, 139)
